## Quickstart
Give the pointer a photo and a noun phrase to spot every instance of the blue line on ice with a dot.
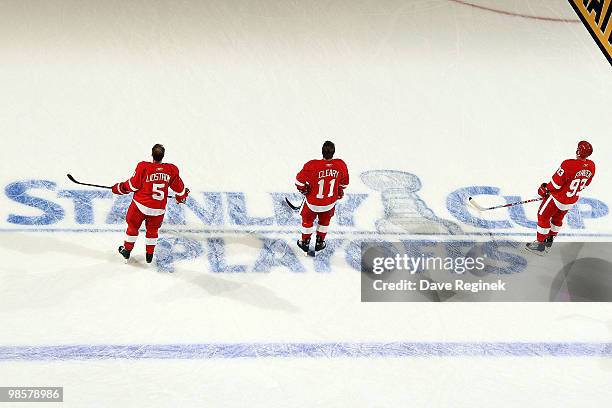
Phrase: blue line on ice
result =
(302, 350)
(266, 231)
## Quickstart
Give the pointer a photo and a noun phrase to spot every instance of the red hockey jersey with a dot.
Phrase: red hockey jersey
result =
(569, 180)
(326, 178)
(150, 184)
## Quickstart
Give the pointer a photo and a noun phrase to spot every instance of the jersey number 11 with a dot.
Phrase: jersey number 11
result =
(332, 183)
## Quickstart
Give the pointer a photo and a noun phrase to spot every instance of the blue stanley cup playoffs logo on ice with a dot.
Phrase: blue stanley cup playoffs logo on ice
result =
(211, 221)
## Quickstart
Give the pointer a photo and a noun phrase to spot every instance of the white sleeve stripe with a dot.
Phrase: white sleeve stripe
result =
(554, 184)
(297, 183)
(182, 192)
(131, 186)
(343, 185)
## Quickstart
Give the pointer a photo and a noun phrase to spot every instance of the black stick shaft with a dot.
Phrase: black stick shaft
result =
(87, 184)
(95, 185)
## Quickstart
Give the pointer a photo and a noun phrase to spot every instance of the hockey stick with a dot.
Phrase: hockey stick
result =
(94, 185)
(293, 206)
(480, 208)
(86, 184)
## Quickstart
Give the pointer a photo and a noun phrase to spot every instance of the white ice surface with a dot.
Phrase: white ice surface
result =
(241, 94)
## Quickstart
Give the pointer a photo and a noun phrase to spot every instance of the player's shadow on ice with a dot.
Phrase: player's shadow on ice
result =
(250, 239)
(245, 292)
(30, 244)
(55, 268)
(250, 293)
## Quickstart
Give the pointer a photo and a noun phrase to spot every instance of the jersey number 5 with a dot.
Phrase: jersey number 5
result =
(332, 183)
(158, 192)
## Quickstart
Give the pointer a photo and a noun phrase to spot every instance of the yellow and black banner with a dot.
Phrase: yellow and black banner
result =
(596, 16)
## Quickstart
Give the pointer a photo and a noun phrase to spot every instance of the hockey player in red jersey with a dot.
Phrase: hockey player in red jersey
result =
(322, 182)
(560, 194)
(149, 184)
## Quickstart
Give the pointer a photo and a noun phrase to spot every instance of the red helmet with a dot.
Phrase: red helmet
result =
(584, 149)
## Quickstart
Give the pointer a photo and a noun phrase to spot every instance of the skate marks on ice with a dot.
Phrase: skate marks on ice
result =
(404, 211)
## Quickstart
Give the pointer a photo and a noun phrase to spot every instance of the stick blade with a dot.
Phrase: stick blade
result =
(293, 207)
(71, 178)
(475, 205)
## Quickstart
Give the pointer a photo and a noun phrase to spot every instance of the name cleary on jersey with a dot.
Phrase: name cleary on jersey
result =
(328, 173)
(158, 177)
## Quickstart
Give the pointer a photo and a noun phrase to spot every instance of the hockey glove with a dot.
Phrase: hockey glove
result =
(340, 193)
(182, 198)
(543, 191)
(120, 189)
(305, 189)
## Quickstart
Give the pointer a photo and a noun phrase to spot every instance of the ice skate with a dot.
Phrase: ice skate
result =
(548, 242)
(537, 247)
(320, 244)
(304, 245)
(125, 253)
